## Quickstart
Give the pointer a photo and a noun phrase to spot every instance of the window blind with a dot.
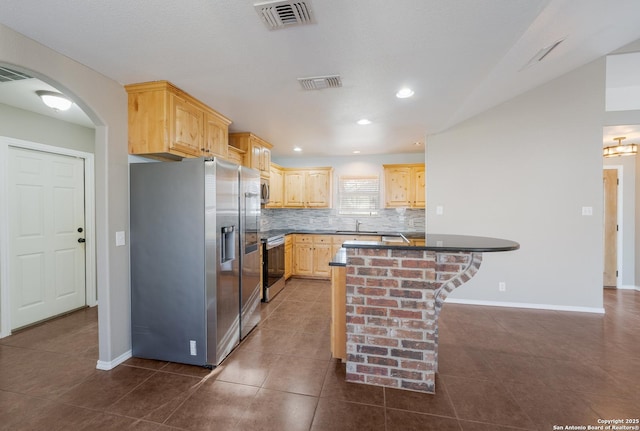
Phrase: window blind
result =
(359, 195)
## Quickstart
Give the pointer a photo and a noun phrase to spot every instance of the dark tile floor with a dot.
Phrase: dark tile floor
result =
(500, 369)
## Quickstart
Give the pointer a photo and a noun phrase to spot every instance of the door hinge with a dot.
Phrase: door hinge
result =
(616, 274)
(617, 181)
(616, 228)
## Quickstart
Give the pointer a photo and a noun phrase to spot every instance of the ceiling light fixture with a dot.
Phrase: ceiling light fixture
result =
(364, 122)
(620, 149)
(297, 149)
(356, 151)
(54, 100)
(403, 93)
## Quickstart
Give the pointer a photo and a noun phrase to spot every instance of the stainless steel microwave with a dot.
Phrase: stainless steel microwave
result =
(264, 191)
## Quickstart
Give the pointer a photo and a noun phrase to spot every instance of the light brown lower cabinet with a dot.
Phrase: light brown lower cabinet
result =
(288, 257)
(311, 255)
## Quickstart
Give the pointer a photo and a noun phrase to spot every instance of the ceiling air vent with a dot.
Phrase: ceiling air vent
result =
(320, 82)
(280, 14)
(7, 75)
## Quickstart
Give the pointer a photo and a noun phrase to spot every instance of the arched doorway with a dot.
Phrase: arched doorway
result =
(37, 137)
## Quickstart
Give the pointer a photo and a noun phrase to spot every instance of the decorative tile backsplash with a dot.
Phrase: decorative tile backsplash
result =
(387, 220)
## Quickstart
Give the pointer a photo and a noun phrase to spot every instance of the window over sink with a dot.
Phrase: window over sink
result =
(358, 195)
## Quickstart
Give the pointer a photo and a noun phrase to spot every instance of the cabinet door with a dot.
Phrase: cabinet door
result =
(265, 160)
(321, 258)
(419, 182)
(255, 150)
(187, 127)
(318, 189)
(303, 259)
(397, 184)
(275, 188)
(294, 189)
(216, 137)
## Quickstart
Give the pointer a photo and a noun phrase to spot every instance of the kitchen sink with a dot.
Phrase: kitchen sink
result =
(356, 232)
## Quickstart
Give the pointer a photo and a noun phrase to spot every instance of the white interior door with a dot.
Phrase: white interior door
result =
(46, 220)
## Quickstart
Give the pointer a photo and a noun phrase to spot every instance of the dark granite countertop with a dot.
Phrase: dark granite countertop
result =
(265, 235)
(433, 242)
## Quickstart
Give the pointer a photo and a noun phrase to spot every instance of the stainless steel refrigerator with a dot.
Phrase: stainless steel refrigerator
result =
(251, 264)
(192, 226)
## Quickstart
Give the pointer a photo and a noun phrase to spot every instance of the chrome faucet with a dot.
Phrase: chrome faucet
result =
(358, 223)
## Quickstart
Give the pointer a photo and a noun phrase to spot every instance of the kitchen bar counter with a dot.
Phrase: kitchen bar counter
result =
(394, 293)
(433, 242)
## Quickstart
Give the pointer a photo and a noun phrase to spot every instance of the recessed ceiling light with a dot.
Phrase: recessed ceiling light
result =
(403, 93)
(297, 149)
(417, 144)
(356, 151)
(364, 122)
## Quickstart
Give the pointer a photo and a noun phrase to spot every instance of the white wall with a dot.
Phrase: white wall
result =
(29, 126)
(621, 118)
(627, 235)
(105, 101)
(623, 88)
(523, 171)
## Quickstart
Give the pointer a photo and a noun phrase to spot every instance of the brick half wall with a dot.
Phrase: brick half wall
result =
(393, 301)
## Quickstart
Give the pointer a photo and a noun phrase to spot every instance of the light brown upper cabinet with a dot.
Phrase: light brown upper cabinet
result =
(258, 151)
(166, 122)
(404, 185)
(307, 188)
(276, 186)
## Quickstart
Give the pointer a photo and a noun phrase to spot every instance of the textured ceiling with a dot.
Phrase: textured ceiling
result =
(460, 57)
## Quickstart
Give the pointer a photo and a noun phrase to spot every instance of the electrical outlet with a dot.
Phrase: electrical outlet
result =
(439, 210)
(502, 286)
(192, 348)
(587, 211)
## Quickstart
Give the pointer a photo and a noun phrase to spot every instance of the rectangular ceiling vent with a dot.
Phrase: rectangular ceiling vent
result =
(281, 14)
(7, 75)
(540, 55)
(320, 82)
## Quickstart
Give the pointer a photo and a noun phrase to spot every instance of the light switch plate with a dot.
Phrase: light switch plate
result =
(587, 211)
(439, 210)
(120, 238)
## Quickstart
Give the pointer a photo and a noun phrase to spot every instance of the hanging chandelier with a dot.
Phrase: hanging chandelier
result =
(620, 149)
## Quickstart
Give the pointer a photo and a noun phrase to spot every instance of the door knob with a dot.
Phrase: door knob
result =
(82, 240)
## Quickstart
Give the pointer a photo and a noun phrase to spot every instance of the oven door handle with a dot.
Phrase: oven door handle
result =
(275, 243)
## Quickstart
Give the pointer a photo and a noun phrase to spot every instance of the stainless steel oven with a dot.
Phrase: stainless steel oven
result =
(272, 267)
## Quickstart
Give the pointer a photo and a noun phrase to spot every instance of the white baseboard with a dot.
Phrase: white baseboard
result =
(527, 305)
(110, 365)
(629, 287)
